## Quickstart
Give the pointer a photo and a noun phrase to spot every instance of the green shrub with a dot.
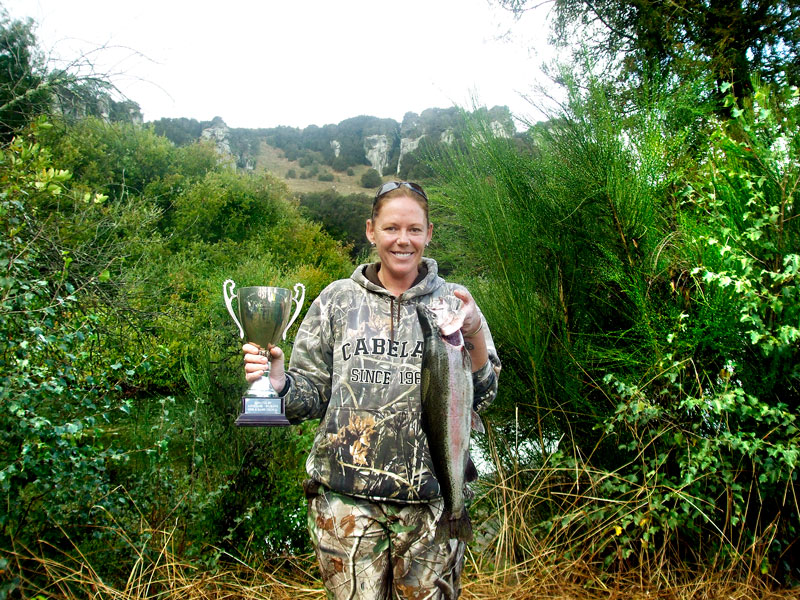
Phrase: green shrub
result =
(325, 177)
(339, 164)
(117, 159)
(371, 179)
(57, 393)
(341, 216)
(228, 205)
(638, 272)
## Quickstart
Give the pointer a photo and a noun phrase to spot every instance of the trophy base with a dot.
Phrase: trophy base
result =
(265, 410)
(256, 420)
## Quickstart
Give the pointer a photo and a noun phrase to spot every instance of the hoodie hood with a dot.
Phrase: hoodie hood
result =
(427, 284)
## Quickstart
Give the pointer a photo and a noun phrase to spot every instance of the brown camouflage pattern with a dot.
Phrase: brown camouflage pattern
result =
(356, 365)
(371, 550)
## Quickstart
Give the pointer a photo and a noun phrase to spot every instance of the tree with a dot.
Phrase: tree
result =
(729, 40)
(371, 179)
(180, 132)
(22, 93)
(342, 217)
(28, 88)
(641, 287)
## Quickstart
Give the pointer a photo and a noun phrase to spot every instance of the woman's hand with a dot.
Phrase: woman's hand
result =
(472, 319)
(472, 330)
(256, 361)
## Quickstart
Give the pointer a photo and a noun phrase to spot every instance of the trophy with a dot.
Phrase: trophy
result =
(263, 318)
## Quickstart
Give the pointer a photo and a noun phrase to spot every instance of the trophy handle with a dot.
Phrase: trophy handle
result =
(299, 297)
(229, 301)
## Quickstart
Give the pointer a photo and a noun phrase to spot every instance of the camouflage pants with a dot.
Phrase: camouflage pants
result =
(383, 551)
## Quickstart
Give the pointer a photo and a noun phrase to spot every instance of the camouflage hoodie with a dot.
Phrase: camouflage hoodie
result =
(356, 366)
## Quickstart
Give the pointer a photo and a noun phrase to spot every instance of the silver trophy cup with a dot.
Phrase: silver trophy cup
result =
(263, 317)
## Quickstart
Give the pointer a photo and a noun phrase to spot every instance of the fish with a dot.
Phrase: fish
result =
(447, 412)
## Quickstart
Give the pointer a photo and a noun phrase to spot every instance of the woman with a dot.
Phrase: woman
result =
(374, 502)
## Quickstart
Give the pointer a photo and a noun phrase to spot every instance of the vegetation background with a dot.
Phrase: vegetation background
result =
(636, 256)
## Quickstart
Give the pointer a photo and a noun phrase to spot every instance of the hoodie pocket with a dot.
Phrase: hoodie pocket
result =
(375, 454)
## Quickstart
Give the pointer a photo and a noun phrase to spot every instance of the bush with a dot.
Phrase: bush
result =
(641, 285)
(227, 205)
(339, 164)
(371, 179)
(59, 393)
(118, 159)
(341, 216)
(291, 174)
(325, 177)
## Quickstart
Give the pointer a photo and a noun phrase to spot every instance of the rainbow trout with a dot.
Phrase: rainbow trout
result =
(447, 414)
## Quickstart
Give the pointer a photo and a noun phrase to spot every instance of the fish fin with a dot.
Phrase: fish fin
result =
(477, 423)
(454, 527)
(470, 471)
(460, 527)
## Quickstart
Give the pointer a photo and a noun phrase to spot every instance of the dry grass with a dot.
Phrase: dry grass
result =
(156, 572)
(164, 576)
(273, 161)
(508, 559)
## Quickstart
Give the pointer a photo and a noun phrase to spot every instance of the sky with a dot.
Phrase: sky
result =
(265, 63)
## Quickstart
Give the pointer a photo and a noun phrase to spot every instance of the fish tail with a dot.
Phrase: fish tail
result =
(460, 526)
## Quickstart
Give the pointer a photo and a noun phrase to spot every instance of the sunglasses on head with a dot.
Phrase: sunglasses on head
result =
(393, 185)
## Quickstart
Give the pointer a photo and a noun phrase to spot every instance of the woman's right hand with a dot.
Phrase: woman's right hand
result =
(256, 361)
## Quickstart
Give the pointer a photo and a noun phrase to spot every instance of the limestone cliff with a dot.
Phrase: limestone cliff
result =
(218, 133)
(391, 148)
(376, 149)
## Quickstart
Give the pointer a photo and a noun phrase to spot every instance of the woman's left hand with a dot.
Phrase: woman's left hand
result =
(472, 319)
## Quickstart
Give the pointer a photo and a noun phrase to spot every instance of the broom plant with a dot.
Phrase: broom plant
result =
(638, 271)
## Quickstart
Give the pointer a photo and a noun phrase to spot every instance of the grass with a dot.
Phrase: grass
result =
(273, 161)
(164, 576)
(507, 560)
(157, 572)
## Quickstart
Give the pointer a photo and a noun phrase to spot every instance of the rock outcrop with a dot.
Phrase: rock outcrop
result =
(377, 148)
(407, 145)
(218, 133)
(499, 130)
(384, 144)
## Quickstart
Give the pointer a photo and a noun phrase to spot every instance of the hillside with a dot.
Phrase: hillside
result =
(336, 156)
(274, 161)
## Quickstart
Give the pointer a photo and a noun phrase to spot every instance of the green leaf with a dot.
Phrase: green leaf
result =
(381, 546)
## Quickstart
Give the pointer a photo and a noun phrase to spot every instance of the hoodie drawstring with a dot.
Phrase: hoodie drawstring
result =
(391, 316)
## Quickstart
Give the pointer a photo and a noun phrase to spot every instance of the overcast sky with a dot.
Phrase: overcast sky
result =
(299, 62)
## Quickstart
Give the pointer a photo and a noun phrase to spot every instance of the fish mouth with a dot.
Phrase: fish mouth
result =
(453, 339)
(449, 314)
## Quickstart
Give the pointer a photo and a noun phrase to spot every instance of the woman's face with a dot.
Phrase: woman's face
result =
(400, 232)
